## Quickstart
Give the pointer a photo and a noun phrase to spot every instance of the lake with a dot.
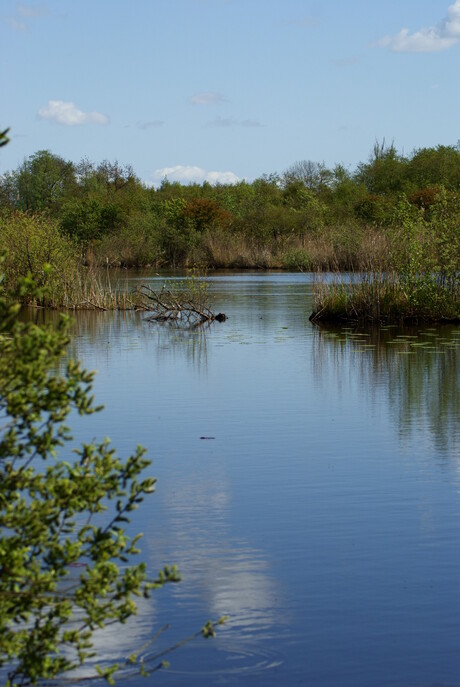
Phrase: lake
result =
(322, 517)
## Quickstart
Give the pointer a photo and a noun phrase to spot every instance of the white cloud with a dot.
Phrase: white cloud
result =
(222, 178)
(209, 98)
(183, 173)
(191, 174)
(432, 39)
(67, 113)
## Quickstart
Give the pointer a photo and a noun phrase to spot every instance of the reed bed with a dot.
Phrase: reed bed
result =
(331, 249)
(384, 297)
(91, 290)
(418, 278)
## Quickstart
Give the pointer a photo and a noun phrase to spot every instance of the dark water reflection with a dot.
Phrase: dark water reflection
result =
(323, 519)
(418, 366)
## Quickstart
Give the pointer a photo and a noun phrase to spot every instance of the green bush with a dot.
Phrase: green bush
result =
(297, 260)
(34, 246)
(137, 244)
(52, 511)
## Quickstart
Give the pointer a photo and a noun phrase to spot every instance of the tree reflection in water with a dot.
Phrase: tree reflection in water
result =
(418, 367)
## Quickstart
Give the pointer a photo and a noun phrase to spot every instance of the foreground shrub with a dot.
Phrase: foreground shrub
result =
(59, 512)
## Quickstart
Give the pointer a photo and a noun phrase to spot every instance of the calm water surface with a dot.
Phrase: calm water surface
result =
(323, 517)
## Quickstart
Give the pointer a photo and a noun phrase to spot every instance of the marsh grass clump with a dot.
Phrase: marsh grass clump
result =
(420, 280)
(93, 291)
(385, 297)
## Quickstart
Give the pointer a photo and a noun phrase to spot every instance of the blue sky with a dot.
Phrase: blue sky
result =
(227, 89)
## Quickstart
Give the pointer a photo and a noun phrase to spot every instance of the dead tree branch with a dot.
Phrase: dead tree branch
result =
(167, 306)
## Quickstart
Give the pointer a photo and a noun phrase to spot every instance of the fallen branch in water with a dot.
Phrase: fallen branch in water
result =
(168, 306)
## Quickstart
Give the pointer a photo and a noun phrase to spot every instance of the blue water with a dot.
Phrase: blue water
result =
(323, 517)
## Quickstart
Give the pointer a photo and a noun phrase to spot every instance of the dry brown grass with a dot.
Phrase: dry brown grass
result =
(330, 249)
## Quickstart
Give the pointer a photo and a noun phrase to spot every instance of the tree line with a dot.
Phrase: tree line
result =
(310, 216)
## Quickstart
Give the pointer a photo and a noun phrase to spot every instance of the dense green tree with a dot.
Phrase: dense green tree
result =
(314, 175)
(108, 195)
(8, 191)
(82, 218)
(43, 182)
(385, 172)
(438, 166)
(179, 236)
(345, 195)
